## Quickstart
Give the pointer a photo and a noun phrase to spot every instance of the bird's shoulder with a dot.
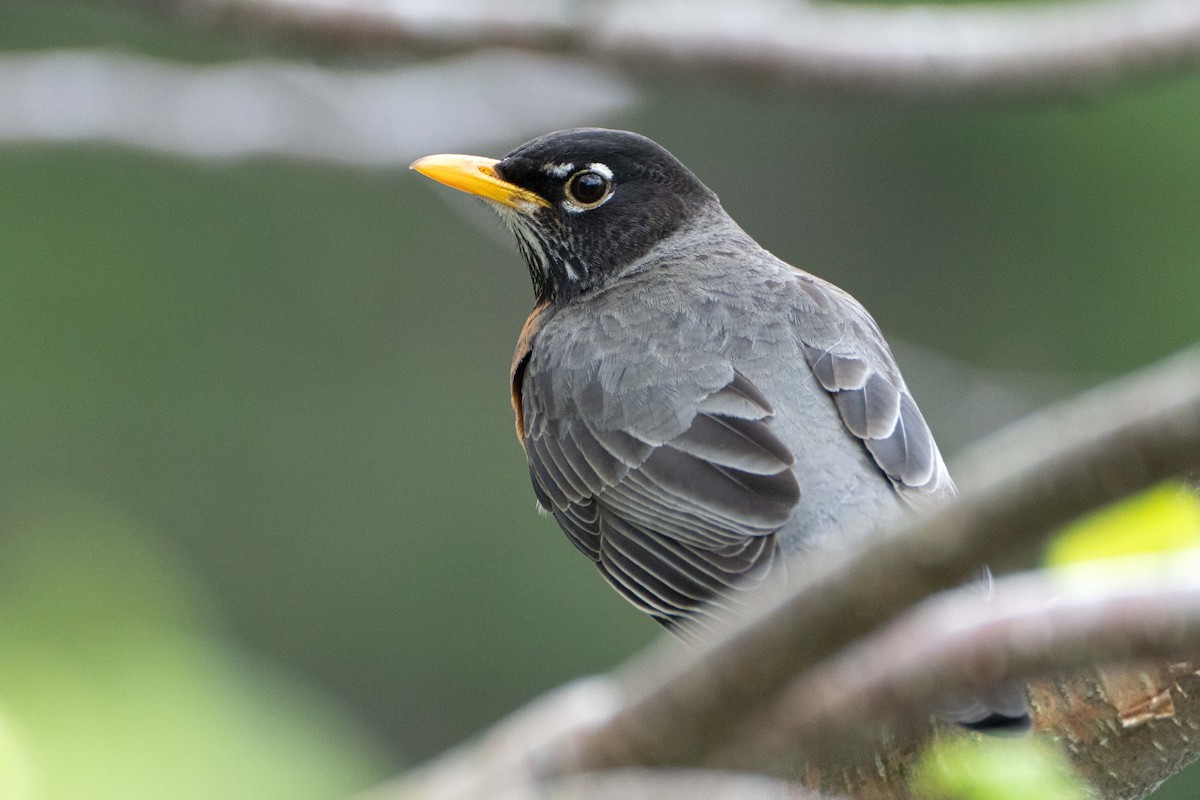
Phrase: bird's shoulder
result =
(770, 317)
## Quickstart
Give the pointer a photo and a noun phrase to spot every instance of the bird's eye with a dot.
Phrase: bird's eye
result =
(588, 188)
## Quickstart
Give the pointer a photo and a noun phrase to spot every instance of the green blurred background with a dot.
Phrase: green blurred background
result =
(266, 531)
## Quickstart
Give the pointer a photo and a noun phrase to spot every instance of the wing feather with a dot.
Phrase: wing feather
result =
(733, 442)
(761, 500)
(877, 408)
(581, 523)
(673, 525)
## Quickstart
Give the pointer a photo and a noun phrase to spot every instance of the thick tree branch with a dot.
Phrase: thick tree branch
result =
(679, 708)
(1069, 460)
(1063, 48)
(963, 642)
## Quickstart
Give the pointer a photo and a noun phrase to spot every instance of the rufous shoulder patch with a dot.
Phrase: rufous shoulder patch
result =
(520, 359)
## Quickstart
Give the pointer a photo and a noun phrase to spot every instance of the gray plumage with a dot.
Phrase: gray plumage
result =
(695, 411)
(684, 427)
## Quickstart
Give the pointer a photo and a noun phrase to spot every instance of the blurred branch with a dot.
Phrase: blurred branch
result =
(963, 642)
(651, 784)
(1104, 445)
(376, 118)
(388, 117)
(677, 784)
(1126, 728)
(1062, 48)
(679, 708)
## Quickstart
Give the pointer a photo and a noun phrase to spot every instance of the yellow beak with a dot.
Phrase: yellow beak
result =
(477, 175)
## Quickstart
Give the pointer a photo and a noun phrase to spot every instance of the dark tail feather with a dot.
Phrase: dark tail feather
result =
(999, 711)
(1001, 724)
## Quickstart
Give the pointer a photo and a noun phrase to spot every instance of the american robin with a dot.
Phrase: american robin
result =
(692, 407)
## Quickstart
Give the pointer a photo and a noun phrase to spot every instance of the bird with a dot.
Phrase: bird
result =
(695, 411)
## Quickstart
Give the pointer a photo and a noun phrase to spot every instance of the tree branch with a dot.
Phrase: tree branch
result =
(677, 708)
(1063, 48)
(963, 642)
(652, 784)
(362, 117)
(1069, 460)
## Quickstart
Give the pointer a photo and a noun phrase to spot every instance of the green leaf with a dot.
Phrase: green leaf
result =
(968, 768)
(1163, 519)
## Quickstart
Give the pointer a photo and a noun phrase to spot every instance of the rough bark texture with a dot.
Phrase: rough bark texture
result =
(1125, 760)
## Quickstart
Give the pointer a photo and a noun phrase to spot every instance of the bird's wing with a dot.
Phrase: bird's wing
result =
(673, 489)
(852, 361)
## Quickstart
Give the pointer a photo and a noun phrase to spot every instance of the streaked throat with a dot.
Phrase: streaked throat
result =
(555, 272)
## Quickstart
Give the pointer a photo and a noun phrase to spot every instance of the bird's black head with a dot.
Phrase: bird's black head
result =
(583, 203)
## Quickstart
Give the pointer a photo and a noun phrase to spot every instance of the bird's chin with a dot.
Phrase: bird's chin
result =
(518, 206)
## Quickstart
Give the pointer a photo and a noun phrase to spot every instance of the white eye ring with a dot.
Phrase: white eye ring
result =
(588, 188)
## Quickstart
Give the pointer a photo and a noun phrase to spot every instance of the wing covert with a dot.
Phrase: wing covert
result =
(851, 361)
(674, 526)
